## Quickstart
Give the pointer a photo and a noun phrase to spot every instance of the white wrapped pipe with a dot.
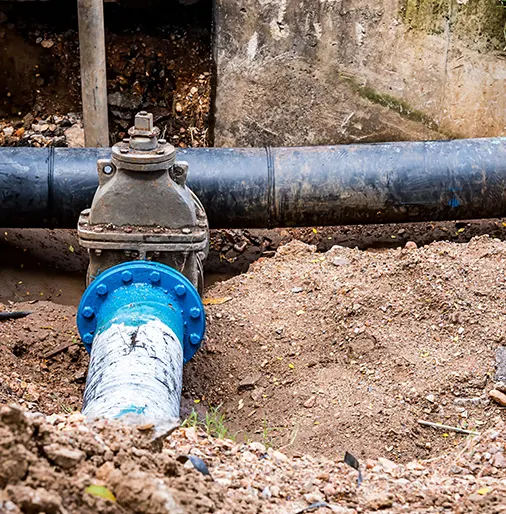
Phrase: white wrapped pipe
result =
(135, 369)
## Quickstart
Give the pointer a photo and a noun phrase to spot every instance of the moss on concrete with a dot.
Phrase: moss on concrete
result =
(428, 16)
(477, 24)
(397, 105)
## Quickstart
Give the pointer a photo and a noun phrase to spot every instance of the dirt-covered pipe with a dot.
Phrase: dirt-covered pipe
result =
(280, 187)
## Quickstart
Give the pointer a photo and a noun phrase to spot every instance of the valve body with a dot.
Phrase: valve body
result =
(143, 210)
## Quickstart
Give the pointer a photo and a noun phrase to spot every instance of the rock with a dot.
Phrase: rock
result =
(257, 446)
(124, 100)
(75, 136)
(310, 402)
(59, 142)
(193, 90)
(249, 382)
(179, 107)
(387, 464)
(329, 490)
(278, 457)
(80, 377)
(410, 245)
(499, 460)
(47, 43)
(64, 457)
(266, 493)
(313, 498)
(500, 386)
(498, 397)
(380, 501)
(338, 261)
(430, 398)
(297, 289)
(28, 121)
(240, 247)
(275, 491)
(35, 500)
(8, 131)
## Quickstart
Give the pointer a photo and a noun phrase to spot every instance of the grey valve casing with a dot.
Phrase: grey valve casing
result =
(143, 210)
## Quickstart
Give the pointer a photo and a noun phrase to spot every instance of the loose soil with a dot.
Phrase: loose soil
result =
(59, 465)
(309, 354)
(316, 352)
(158, 59)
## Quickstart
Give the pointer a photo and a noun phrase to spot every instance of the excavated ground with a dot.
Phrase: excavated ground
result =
(314, 351)
(309, 355)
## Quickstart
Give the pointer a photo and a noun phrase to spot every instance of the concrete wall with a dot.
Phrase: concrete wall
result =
(297, 72)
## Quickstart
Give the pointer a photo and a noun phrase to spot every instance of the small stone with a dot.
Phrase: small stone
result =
(380, 501)
(498, 397)
(410, 245)
(80, 377)
(75, 136)
(499, 460)
(8, 131)
(297, 289)
(193, 90)
(124, 100)
(500, 386)
(275, 491)
(279, 457)
(387, 464)
(66, 458)
(430, 398)
(47, 43)
(313, 498)
(257, 446)
(28, 121)
(249, 382)
(35, 500)
(338, 261)
(191, 434)
(310, 402)
(329, 490)
(240, 247)
(266, 493)
(179, 107)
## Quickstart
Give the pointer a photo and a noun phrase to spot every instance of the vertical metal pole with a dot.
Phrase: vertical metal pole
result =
(93, 72)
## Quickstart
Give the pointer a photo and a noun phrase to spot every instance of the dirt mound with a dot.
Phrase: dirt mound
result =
(346, 350)
(316, 353)
(59, 464)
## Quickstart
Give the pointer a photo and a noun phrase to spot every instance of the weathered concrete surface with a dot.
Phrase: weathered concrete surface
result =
(295, 72)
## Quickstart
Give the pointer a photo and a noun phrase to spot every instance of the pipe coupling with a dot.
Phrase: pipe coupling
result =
(141, 289)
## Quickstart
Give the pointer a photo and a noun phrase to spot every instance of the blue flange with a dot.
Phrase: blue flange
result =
(151, 286)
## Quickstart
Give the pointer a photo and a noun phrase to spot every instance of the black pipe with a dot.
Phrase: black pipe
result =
(279, 187)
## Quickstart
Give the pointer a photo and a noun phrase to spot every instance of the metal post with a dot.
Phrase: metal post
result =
(93, 72)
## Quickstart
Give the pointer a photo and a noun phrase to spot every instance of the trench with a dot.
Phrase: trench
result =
(48, 265)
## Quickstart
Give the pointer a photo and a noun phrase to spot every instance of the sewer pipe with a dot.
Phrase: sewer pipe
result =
(140, 321)
(280, 187)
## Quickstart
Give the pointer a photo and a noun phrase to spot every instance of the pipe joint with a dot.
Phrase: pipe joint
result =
(133, 292)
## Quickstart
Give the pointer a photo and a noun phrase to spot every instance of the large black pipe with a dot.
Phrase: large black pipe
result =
(279, 187)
